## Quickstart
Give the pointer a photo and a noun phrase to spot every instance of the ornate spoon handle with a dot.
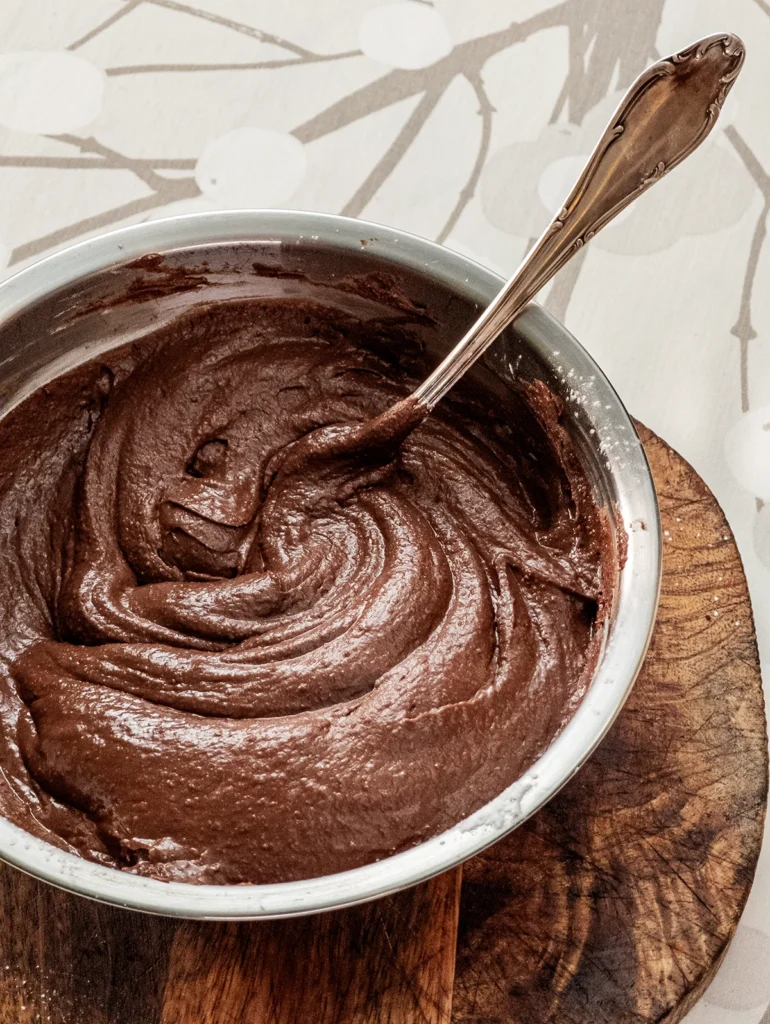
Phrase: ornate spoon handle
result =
(664, 116)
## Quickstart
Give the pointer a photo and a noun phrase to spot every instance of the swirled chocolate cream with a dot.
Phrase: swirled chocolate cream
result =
(245, 637)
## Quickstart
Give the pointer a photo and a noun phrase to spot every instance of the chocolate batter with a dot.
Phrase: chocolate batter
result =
(244, 638)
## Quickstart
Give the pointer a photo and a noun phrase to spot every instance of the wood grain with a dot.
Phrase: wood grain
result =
(388, 962)
(614, 905)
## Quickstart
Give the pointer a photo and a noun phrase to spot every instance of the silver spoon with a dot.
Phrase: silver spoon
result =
(664, 116)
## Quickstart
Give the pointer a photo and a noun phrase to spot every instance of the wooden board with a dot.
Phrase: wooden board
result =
(389, 962)
(614, 905)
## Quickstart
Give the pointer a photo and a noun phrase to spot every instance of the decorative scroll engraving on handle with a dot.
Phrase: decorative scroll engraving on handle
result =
(664, 116)
(657, 172)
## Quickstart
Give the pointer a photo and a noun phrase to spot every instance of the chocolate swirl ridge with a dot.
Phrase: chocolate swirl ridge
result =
(266, 647)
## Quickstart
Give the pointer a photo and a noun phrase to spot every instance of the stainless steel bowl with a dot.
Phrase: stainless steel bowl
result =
(62, 311)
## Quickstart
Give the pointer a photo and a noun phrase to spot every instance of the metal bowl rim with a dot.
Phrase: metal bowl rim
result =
(624, 652)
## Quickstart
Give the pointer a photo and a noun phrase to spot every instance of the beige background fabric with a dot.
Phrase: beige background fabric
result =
(461, 120)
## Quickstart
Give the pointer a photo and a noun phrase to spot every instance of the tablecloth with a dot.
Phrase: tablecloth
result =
(461, 121)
